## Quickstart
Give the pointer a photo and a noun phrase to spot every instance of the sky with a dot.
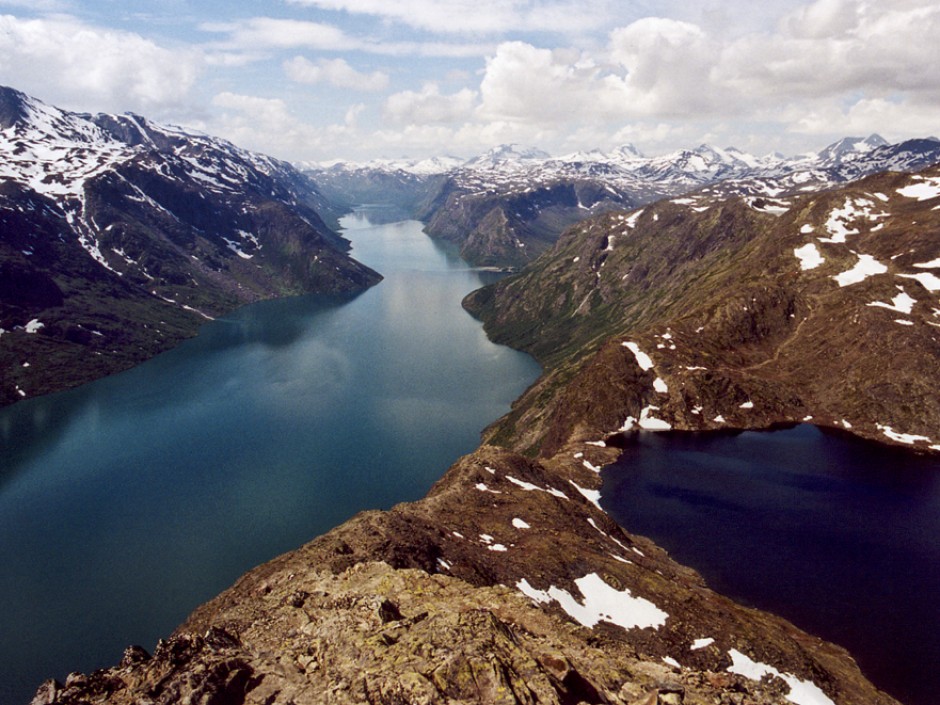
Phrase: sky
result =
(320, 80)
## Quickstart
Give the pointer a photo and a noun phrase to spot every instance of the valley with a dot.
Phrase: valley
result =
(703, 291)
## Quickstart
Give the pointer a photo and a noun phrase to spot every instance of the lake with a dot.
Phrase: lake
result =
(840, 536)
(126, 503)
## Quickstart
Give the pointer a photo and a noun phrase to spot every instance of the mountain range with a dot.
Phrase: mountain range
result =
(707, 290)
(120, 237)
(508, 206)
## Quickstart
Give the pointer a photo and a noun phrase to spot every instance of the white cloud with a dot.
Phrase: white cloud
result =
(267, 125)
(336, 72)
(524, 83)
(481, 16)
(270, 33)
(429, 106)
(267, 33)
(63, 60)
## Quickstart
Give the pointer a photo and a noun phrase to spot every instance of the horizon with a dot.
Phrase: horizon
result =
(360, 80)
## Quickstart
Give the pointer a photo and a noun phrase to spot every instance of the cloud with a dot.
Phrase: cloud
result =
(269, 33)
(259, 34)
(73, 64)
(481, 16)
(429, 106)
(336, 72)
(524, 83)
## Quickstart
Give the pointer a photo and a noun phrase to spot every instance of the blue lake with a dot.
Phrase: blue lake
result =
(840, 536)
(127, 502)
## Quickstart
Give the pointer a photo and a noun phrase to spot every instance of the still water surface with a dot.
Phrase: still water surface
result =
(840, 536)
(126, 503)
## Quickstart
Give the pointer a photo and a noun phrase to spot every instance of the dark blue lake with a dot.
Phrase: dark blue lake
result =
(842, 537)
(126, 503)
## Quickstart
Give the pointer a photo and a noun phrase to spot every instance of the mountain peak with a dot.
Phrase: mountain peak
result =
(12, 107)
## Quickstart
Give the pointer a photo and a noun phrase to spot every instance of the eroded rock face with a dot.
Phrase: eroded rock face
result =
(505, 585)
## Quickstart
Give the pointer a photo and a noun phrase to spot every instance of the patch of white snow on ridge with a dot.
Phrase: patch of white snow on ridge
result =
(929, 281)
(867, 266)
(660, 386)
(747, 405)
(702, 643)
(529, 487)
(929, 188)
(631, 220)
(602, 603)
(807, 229)
(520, 524)
(34, 326)
(907, 438)
(592, 496)
(801, 692)
(932, 264)
(483, 488)
(642, 359)
(902, 303)
(670, 661)
(646, 422)
(590, 466)
(809, 256)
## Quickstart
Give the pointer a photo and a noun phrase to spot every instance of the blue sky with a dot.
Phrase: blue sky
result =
(359, 79)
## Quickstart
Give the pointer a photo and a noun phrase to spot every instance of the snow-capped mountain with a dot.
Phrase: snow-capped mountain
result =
(507, 206)
(118, 236)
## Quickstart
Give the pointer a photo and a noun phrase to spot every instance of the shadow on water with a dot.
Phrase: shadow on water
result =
(836, 534)
(29, 429)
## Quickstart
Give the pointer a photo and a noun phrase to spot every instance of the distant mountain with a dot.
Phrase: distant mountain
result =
(710, 311)
(509, 205)
(118, 237)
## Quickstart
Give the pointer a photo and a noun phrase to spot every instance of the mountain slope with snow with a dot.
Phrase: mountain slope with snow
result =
(118, 237)
(506, 207)
(706, 312)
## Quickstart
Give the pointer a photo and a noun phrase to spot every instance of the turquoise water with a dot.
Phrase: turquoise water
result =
(127, 502)
(840, 536)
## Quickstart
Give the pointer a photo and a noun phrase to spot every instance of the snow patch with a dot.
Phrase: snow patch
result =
(646, 422)
(926, 189)
(902, 303)
(801, 692)
(702, 643)
(929, 281)
(867, 266)
(520, 524)
(34, 326)
(602, 603)
(809, 256)
(660, 386)
(592, 496)
(907, 438)
(747, 405)
(642, 359)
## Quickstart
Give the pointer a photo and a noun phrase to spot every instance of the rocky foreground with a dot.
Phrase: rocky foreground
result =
(506, 584)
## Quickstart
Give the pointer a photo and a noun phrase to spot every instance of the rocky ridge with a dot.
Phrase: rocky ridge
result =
(506, 584)
(703, 313)
(119, 237)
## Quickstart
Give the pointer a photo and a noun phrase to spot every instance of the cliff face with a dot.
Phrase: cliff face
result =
(507, 583)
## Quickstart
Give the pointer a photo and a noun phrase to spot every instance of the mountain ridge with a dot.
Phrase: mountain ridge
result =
(137, 234)
(506, 207)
